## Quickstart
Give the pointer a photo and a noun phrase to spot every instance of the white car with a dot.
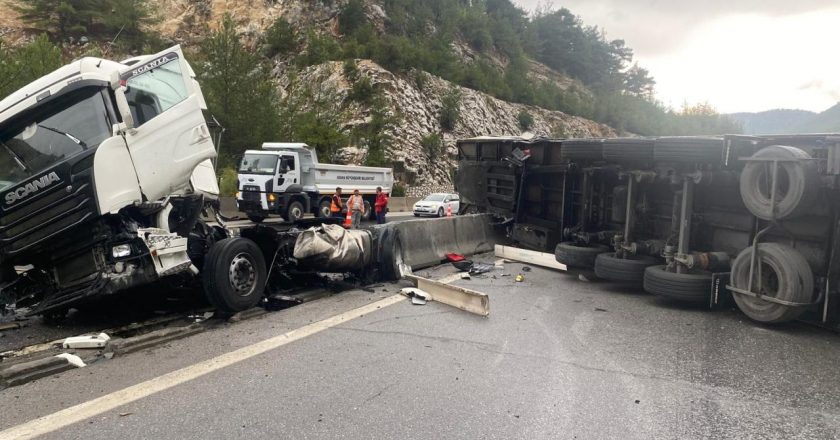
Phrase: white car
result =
(437, 205)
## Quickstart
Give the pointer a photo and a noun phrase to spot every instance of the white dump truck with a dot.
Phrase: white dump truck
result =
(287, 179)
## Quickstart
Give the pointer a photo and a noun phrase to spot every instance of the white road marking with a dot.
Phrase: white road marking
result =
(86, 410)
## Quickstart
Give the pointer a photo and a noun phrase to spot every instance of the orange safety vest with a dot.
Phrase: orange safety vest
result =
(335, 207)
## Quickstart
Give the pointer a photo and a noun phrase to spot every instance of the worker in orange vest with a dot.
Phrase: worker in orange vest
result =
(336, 205)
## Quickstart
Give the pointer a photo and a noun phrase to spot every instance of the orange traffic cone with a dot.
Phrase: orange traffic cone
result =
(449, 210)
(348, 221)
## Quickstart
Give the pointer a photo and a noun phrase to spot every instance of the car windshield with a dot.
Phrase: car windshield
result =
(51, 133)
(258, 164)
(435, 198)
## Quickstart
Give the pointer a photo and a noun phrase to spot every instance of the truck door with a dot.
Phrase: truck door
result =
(169, 137)
(288, 172)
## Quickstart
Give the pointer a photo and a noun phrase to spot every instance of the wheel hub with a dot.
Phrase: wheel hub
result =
(242, 274)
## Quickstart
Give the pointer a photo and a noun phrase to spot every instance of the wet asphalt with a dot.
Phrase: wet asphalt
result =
(556, 358)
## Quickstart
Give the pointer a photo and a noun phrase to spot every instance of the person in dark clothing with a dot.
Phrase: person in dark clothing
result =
(381, 205)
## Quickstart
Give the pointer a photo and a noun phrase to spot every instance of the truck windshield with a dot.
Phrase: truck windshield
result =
(51, 133)
(258, 164)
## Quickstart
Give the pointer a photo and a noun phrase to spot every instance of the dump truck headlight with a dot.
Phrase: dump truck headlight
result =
(272, 198)
(238, 195)
(121, 250)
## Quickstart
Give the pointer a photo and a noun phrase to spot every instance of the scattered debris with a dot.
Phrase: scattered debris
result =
(598, 309)
(452, 258)
(583, 278)
(520, 278)
(87, 341)
(72, 359)
(10, 325)
(526, 256)
(201, 317)
(464, 299)
(526, 268)
(472, 267)
(418, 297)
(130, 413)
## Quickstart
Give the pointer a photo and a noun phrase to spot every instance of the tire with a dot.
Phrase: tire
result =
(256, 218)
(786, 275)
(582, 257)
(582, 149)
(234, 275)
(798, 183)
(708, 150)
(417, 215)
(440, 212)
(294, 212)
(692, 287)
(391, 254)
(324, 210)
(628, 150)
(625, 270)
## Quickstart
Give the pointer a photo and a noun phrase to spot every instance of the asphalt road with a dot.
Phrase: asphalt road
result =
(556, 358)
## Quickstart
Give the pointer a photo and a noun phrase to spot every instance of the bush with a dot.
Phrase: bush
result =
(432, 145)
(280, 39)
(22, 65)
(351, 17)
(228, 182)
(362, 91)
(350, 70)
(319, 49)
(398, 190)
(526, 121)
(450, 111)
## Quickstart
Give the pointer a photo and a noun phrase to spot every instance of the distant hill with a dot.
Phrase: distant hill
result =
(787, 121)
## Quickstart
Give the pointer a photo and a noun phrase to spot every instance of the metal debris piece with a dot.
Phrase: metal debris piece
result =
(464, 299)
(418, 297)
(72, 359)
(86, 341)
(527, 256)
(526, 268)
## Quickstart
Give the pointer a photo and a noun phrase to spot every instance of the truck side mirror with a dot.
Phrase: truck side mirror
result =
(122, 102)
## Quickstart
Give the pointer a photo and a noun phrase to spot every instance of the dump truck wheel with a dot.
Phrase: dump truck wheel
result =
(688, 150)
(785, 274)
(294, 212)
(391, 254)
(690, 287)
(234, 275)
(626, 270)
(256, 218)
(324, 209)
(573, 255)
(797, 184)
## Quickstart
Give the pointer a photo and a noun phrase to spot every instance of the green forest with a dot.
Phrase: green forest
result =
(418, 37)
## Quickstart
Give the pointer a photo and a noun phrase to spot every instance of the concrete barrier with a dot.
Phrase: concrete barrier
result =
(426, 242)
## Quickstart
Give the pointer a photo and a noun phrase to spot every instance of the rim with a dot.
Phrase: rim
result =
(242, 274)
(296, 212)
(325, 211)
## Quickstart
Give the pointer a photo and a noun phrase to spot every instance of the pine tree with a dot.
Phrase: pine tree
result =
(126, 21)
(61, 19)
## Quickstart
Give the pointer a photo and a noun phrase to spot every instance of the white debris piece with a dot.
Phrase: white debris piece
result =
(417, 296)
(72, 359)
(87, 341)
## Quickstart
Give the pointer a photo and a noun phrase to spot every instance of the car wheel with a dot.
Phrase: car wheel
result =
(440, 212)
(416, 214)
(234, 275)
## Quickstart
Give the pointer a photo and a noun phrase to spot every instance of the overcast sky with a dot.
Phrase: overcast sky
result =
(739, 55)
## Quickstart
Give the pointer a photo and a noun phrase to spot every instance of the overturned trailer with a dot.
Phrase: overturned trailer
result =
(691, 219)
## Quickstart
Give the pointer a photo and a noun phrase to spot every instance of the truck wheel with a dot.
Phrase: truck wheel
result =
(691, 287)
(582, 257)
(626, 270)
(391, 254)
(234, 275)
(324, 209)
(256, 218)
(796, 188)
(785, 274)
(294, 212)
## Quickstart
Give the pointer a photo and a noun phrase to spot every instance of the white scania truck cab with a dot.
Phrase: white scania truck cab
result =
(104, 169)
(287, 179)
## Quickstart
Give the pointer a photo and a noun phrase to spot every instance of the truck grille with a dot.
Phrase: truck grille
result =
(251, 193)
(32, 223)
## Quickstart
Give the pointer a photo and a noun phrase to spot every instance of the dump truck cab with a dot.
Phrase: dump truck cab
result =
(106, 166)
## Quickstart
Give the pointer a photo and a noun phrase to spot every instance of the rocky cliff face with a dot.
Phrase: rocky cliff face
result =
(418, 113)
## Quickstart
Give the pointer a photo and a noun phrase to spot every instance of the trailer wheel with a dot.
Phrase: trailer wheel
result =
(626, 270)
(324, 210)
(256, 218)
(796, 187)
(294, 212)
(234, 275)
(391, 254)
(691, 287)
(784, 274)
(573, 255)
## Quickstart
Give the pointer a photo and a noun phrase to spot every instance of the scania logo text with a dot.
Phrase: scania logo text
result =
(151, 65)
(34, 186)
